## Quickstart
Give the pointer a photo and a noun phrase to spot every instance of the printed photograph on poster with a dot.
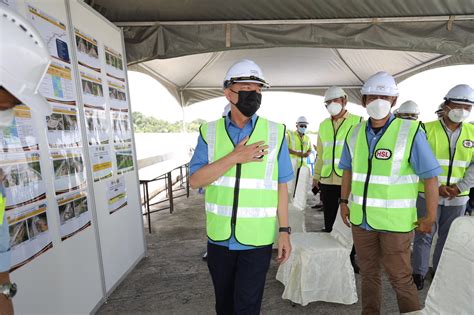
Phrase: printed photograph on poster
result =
(69, 174)
(92, 91)
(121, 127)
(87, 51)
(63, 127)
(58, 84)
(114, 64)
(9, 3)
(124, 158)
(29, 233)
(20, 136)
(101, 161)
(97, 129)
(116, 194)
(21, 178)
(74, 214)
(117, 96)
(53, 31)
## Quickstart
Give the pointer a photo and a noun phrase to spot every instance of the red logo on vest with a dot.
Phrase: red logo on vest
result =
(383, 154)
(468, 143)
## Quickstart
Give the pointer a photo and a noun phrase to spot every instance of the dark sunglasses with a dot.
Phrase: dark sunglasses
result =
(302, 126)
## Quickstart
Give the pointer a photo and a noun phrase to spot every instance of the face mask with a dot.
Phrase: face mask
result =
(301, 130)
(6, 117)
(334, 108)
(249, 102)
(458, 115)
(378, 108)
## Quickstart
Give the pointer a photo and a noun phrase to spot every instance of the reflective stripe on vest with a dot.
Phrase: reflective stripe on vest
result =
(246, 196)
(384, 186)
(333, 143)
(453, 167)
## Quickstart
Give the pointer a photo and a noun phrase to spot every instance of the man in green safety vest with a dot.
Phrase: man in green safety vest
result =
(452, 141)
(299, 146)
(331, 136)
(243, 162)
(381, 161)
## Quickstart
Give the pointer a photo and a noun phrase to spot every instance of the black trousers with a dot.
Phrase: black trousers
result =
(238, 277)
(330, 195)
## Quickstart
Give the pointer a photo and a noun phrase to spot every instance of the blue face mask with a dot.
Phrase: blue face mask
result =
(301, 130)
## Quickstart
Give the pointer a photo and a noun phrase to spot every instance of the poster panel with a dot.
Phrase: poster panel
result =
(29, 233)
(87, 51)
(116, 194)
(74, 214)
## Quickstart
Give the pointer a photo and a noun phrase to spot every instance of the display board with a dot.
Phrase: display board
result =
(71, 178)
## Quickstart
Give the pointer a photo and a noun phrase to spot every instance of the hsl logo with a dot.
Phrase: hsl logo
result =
(383, 154)
(468, 143)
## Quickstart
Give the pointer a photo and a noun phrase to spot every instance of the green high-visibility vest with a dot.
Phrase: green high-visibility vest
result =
(245, 198)
(384, 186)
(454, 167)
(2, 208)
(301, 145)
(333, 143)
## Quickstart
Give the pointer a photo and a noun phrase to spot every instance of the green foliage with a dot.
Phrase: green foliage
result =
(142, 123)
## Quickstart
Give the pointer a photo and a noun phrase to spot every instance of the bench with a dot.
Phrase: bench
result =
(163, 171)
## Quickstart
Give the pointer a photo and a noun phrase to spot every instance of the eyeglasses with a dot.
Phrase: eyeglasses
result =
(302, 126)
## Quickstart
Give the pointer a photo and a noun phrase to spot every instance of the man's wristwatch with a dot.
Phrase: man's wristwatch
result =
(285, 229)
(8, 289)
(346, 201)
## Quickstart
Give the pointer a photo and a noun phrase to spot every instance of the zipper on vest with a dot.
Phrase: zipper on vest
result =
(366, 190)
(235, 204)
(334, 132)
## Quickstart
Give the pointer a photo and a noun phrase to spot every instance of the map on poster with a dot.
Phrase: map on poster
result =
(117, 96)
(53, 31)
(63, 128)
(29, 233)
(116, 194)
(101, 161)
(124, 158)
(97, 130)
(20, 135)
(69, 174)
(92, 91)
(74, 214)
(58, 84)
(22, 179)
(87, 51)
(114, 64)
(121, 127)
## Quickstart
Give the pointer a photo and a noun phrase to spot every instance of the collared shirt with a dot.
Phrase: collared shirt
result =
(5, 252)
(467, 182)
(422, 159)
(333, 179)
(237, 134)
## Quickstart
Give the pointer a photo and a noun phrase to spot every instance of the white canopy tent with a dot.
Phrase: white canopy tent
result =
(302, 45)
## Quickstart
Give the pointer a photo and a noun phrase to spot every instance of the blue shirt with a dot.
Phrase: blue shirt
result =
(422, 159)
(4, 241)
(237, 134)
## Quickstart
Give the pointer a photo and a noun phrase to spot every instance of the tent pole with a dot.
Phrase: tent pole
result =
(374, 20)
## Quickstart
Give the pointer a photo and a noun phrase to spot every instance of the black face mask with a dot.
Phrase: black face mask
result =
(249, 102)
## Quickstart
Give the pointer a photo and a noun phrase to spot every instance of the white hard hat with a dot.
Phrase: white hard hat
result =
(408, 107)
(302, 119)
(381, 83)
(24, 60)
(244, 70)
(334, 92)
(461, 94)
